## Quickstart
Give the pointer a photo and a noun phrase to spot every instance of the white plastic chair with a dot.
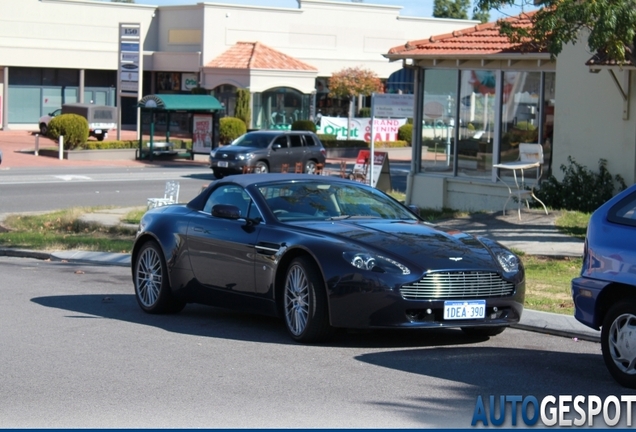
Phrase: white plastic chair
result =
(170, 196)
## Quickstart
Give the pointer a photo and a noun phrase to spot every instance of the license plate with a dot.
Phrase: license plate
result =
(468, 309)
(98, 131)
(222, 164)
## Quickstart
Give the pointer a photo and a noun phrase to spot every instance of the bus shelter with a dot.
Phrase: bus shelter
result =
(189, 115)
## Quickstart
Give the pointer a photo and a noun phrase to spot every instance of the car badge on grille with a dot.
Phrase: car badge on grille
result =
(224, 155)
(455, 258)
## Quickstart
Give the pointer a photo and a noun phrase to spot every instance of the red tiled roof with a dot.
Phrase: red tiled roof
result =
(480, 40)
(255, 55)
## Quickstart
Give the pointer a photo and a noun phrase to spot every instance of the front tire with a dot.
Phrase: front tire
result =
(44, 129)
(483, 331)
(152, 285)
(217, 175)
(261, 168)
(310, 167)
(618, 342)
(305, 302)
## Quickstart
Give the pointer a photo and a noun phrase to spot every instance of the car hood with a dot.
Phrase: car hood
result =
(236, 150)
(424, 245)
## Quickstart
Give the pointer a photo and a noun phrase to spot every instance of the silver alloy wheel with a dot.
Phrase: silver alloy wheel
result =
(310, 167)
(622, 343)
(261, 168)
(296, 300)
(148, 277)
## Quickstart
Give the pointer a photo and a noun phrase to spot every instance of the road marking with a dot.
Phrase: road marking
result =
(72, 177)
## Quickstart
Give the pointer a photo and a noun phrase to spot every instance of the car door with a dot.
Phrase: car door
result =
(312, 148)
(222, 250)
(296, 151)
(279, 154)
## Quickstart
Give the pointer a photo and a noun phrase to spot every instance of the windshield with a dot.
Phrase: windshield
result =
(255, 140)
(325, 201)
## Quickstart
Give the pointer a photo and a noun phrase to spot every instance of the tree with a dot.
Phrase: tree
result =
(451, 9)
(479, 15)
(610, 25)
(352, 82)
(242, 109)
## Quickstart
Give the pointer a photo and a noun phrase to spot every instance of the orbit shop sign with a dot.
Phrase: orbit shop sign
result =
(360, 128)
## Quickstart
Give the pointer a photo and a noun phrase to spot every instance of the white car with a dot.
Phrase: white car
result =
(45, 119)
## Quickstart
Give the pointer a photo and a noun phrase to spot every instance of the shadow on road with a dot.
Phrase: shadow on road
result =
(206, 321)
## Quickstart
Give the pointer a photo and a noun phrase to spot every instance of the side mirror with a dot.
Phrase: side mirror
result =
(226, 211)
(276, 146)
(414, 209)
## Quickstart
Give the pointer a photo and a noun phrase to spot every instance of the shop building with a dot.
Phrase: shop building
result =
(63, 51)
(478, 97)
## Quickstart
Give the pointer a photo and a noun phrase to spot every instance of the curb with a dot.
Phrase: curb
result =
(561, 333)
(23, 253)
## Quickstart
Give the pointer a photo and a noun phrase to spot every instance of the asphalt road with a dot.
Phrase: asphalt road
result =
(30, 189)
(77, 352)
(41, 189)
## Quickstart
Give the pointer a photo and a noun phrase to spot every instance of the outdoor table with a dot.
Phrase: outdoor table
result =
(519, 190)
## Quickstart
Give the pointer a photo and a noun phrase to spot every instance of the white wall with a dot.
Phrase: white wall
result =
(65, 34)
(327, 35)
(437, 192)
(588, 122)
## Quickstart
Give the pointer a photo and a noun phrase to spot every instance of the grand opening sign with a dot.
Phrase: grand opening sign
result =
(360, 128)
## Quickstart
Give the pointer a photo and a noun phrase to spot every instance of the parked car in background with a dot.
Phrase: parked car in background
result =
(43, 124)
(101, 118)
(267, 151)
(605, 293)
(0, 156)
(322, 252)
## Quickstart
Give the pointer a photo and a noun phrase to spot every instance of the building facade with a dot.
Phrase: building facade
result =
(62, 51)
(478, 97)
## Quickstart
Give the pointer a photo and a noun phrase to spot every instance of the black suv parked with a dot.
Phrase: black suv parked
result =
(268, 151)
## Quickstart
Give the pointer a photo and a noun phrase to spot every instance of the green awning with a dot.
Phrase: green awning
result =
(180, 102)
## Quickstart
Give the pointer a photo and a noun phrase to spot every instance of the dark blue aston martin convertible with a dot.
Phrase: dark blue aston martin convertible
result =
(322, 253)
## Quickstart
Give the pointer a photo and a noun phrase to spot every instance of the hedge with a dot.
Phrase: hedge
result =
(303, 125)
(73, 127)
(230, 128)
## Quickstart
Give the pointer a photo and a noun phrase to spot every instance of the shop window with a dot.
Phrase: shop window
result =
(168, 82)
(438, 123)
(482, 138)
(226, 94)
(279, 108)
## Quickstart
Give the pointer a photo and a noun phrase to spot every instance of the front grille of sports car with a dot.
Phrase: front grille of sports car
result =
(458, 285)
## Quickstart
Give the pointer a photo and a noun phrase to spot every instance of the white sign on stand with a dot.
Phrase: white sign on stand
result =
(389, 105)
(393, 105)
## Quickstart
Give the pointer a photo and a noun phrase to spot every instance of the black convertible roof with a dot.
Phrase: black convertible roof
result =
(246, 180)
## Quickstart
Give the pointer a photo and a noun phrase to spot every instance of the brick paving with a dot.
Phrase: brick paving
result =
(18, 151)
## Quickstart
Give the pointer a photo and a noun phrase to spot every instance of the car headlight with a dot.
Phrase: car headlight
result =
(246, 156)
(377, 263)
(508, 261)
(213, 153)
